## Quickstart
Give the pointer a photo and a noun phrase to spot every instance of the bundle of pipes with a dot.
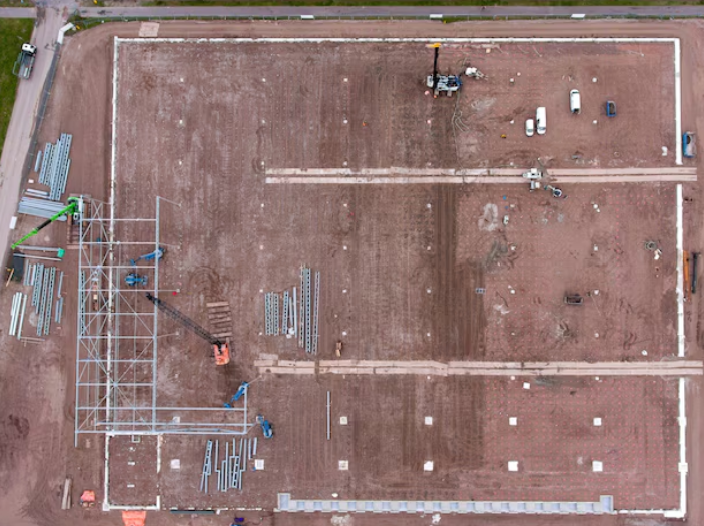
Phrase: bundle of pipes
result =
(19, 304)
(55, 166)
(231, 468)
(41, 207)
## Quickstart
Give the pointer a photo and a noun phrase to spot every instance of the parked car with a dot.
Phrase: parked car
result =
(530, 127)
(575, 101)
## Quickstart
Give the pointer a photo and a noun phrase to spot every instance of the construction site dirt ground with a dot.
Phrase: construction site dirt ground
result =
(214, 254)
(400, 268)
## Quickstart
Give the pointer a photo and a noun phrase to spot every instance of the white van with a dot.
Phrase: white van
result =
(575, 101)
(540, 120)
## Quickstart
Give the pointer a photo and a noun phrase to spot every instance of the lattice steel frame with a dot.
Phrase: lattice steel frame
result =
(117, 341)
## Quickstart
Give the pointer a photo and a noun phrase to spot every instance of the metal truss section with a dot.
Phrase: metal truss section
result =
(117, 345)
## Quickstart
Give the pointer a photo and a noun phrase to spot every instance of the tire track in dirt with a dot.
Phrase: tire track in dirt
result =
(459, 319)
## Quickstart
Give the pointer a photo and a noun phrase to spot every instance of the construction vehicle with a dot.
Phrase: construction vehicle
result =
(25, 61)
(133, 280)
(556, 192)
(442, 83)
(221, 350)
(475, 73)
(689, 147)
(134, 517)
(266, 426)
(338, 348)
(573, 299)
(87, 499)
(156, 254)
(534, 176)
(239, 394)
(610, 108)
(74, 208)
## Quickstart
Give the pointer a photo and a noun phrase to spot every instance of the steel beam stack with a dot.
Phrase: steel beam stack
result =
(45, 162)
(55, 166)
(298, 315)
(41, 207)
(306, 284)
(314, 342)
(43, 280)
(284, 318)
(207, 466)
(230, 469)
(19, 303)
(267, 314)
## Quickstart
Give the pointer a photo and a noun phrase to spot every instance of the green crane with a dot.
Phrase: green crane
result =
(75, 204)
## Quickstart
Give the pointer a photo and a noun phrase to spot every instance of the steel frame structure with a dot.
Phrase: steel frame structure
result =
(117, 339)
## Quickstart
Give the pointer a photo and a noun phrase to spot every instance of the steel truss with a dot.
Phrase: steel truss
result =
(117, 344)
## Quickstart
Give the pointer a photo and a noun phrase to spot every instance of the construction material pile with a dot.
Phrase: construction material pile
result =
(298, 315)
(55, 166)
(41, 208)
(232, 467)
(43, 280)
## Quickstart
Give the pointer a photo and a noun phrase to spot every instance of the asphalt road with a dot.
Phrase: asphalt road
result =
(387, 11)
(22, 122)
(17, 12)
(376, 11)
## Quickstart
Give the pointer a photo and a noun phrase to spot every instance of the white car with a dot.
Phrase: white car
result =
(530, 127)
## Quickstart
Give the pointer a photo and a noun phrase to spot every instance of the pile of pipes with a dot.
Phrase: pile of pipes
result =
(55, 166)
(230, 469)
(19, 304)
(41, 207)
(294, 318)
(43, 280)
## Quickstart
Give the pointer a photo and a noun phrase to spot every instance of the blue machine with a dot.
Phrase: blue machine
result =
(239, 394)
(266, 427)
(610, 108)
(135, 279)
(158, 254)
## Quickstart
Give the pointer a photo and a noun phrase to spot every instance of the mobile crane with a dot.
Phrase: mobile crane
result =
(74, 207)
(221, 350)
